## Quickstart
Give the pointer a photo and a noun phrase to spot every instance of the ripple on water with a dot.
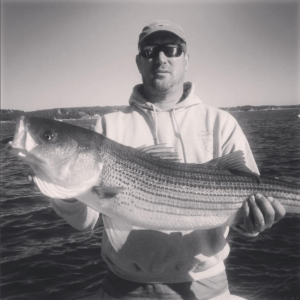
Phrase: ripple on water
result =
(42, 257)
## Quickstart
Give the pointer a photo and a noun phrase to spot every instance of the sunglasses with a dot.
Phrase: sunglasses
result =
(152, 51)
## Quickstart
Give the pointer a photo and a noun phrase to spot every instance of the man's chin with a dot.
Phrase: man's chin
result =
(161, 85)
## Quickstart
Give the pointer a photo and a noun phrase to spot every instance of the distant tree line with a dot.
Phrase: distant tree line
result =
(261, 107)
(61, 113)
(96, 111)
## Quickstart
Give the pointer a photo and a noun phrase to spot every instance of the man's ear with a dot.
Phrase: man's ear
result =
(187, 59)
(138, 62)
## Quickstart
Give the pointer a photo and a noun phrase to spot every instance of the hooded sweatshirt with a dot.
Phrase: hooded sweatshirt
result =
(197, 133)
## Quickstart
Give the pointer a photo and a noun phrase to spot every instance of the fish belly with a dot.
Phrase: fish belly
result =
(173, 199)
(157, 201)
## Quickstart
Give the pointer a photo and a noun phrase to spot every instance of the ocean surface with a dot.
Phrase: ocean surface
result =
(42, 257)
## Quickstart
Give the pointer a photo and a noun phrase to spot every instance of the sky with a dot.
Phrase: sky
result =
(82, 53)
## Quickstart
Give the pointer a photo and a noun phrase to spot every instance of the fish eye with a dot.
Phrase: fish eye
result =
(48, 136)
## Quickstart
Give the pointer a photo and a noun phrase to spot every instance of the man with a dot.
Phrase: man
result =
(148, 264)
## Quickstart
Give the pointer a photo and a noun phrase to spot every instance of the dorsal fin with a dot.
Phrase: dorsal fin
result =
(160, 151)
(235, 163)
(234, 160)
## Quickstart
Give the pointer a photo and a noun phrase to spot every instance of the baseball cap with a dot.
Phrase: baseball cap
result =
(161, 25)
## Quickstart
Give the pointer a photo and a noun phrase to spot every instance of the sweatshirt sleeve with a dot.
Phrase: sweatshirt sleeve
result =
(77, 214)
(236, 140)
(100, 126)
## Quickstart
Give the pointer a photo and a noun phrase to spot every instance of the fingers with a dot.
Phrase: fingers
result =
(266, 210)
(248, 218)
(254, 220)
(261, 213)
(258, 217)
(278, 208)
(272, 209)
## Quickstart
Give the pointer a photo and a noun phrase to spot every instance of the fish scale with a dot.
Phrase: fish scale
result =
(188, 197)
(137, 185)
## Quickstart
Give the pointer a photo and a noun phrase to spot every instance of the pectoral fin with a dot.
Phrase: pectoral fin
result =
(108, 191)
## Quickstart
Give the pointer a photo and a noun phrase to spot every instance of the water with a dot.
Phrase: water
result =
(42, 257)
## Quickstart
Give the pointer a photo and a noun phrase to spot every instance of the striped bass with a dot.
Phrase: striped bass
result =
(145, 187)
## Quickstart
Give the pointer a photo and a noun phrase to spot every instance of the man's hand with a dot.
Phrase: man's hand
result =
(261, 213)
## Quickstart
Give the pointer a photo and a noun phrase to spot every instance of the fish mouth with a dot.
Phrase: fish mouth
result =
(7, 140)
(19, 141)
(19, 144)
(19, 131)
(18, 152)
(16, 144)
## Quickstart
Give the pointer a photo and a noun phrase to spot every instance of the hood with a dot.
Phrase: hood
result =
(190, 98)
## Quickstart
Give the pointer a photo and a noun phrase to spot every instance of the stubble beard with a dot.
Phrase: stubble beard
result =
(161, 86)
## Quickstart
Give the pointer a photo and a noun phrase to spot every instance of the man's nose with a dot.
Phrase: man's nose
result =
(161, 57)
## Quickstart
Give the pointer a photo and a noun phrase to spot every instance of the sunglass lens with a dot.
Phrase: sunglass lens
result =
(149, 52)
(172, 51)
(169, 51)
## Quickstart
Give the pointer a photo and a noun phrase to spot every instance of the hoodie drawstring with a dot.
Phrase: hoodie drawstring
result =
(156, 140)
(155, 133)
(180, 136)
(149, 120)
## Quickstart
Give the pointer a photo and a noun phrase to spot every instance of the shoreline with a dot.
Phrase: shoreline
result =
(234, 111)
(96, 118)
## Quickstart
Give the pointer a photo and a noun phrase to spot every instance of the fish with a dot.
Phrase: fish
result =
(147, 186)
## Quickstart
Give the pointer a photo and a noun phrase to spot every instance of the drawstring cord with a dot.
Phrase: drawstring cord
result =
(155, 134)
(180, 136)
(150, 119)
(156, 141)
